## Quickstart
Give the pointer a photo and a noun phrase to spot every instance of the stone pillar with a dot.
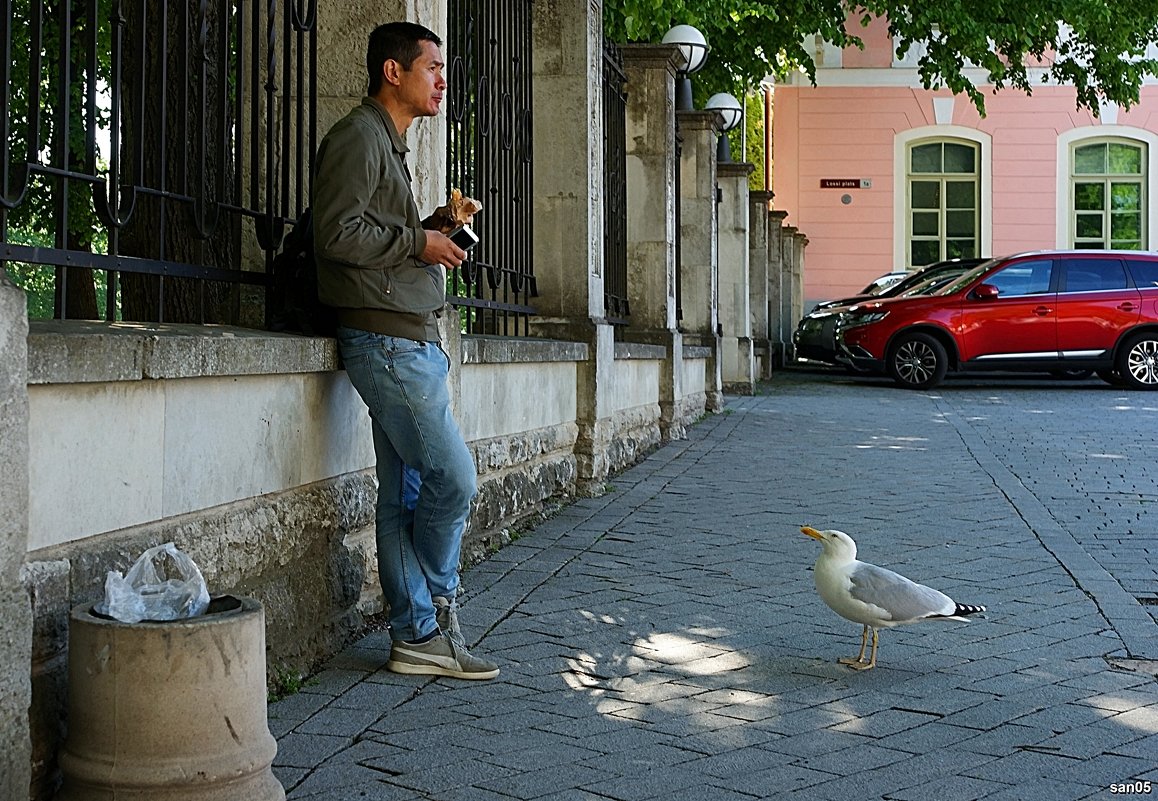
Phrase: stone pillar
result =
(568, 195)
(738, 359)
(15, 612)
(651, 217)
(699, 270)
(800, 241)
(777, 304)
(758, 283)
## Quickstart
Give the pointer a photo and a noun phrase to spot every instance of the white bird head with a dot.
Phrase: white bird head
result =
(837, 544)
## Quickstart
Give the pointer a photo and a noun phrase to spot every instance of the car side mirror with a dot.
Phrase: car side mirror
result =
(986, 292)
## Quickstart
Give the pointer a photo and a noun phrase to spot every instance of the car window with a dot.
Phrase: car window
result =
(1022, 278)
(965, 280)
(1145, 273)
(1093, 275)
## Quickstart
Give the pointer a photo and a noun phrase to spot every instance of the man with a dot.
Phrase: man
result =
(383, 274)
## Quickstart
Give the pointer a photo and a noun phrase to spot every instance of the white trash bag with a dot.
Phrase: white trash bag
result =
(142, 593)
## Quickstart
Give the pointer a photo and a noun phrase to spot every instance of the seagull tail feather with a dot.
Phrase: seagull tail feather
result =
(961, 612)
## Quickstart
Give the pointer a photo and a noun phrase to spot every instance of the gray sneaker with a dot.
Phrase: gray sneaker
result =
(446, 615)
(439, 657)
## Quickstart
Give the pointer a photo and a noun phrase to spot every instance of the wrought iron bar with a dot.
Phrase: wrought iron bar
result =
(167, 137)
(615, 290)
(489, 149)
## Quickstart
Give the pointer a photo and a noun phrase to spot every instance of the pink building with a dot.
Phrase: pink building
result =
(881, 174)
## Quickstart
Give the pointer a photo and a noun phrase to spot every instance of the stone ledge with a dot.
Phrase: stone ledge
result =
(78, 351)
(509, 350)
(639, 350)
(697, 352)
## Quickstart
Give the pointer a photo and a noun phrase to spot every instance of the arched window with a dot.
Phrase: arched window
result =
(943, 189)
(1108, 194)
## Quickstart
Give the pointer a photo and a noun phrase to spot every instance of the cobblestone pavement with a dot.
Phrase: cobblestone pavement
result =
(664, 640)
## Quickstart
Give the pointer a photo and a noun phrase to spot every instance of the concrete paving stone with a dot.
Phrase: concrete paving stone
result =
(721, 741)
(651, 784)
(1090, 741)
(1124, 699)
(367, 791)
(885, 722)
(398, 761)
(707, 790)
(582, 729)
(360, 660)
(298, 707)
(773, 782)
(337, 776)
(332, 682)
(1143, 748)
(814, 743)
(548, 781)
(289, 777)
(401, 721)
(518, 720)
(570, 795)
(342, 722)
(1105, 770)
(1042, 789)
(368, 695)
(934, 735)
(739, 761)
(856, 759)
(296, 750)
(439, 778)
(538, 754)
(1064, 717)
(931, 702)
(634, 761)
(953, 788)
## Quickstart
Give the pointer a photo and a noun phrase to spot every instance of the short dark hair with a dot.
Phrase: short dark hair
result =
(400, 41)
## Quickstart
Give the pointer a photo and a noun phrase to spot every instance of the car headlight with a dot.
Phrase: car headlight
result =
(851, 320)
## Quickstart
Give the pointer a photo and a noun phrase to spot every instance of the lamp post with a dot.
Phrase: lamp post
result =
(694, 48)
(730, 109)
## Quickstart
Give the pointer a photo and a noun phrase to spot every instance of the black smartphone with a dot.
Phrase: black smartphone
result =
(464, 237)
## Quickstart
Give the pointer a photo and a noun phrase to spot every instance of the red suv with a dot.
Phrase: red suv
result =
(1050, 311)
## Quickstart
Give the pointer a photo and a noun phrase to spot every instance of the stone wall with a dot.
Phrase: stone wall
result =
(15, 619)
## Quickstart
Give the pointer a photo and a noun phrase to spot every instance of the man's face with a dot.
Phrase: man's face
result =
(421, 86)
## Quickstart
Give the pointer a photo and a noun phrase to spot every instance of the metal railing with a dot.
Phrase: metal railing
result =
(156, 148)
(489, 152)
(616, 302)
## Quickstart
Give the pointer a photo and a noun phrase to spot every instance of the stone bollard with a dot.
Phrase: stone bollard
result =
(169, 711)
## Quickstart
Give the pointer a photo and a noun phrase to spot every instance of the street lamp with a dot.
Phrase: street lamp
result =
(694, 48)
(731, 111)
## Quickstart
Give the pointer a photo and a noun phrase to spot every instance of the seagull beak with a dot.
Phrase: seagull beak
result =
(810, 531)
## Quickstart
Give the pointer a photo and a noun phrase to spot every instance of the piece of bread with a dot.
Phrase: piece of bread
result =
(458, 211)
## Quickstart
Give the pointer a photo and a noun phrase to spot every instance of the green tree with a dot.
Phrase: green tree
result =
(1097, 46)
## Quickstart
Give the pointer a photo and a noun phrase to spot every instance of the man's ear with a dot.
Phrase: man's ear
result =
(390, 71)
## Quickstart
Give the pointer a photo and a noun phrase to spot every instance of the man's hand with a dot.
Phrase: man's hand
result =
(441, 250)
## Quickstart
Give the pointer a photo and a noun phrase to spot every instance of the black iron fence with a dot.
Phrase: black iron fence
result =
(615, 295)
(489, 158)
(152, 152)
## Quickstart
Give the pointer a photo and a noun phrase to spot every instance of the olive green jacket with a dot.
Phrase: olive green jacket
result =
(367, 231)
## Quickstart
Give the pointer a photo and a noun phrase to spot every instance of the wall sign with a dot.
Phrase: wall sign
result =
(846, 183)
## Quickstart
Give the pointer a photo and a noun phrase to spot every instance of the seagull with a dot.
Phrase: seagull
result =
(873, 596)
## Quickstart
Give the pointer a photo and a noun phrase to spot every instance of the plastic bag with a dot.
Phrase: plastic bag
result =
(142, 593)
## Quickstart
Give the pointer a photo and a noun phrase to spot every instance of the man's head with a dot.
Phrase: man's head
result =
(401, 42)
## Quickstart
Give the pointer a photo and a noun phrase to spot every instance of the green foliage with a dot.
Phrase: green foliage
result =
(1098, 46)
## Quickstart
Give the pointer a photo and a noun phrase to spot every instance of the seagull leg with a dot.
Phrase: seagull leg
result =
(844, 660)
(872, 663)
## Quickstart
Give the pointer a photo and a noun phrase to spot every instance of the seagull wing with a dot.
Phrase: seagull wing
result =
(903, 600)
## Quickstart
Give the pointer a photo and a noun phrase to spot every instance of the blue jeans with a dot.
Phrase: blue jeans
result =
(426, 475)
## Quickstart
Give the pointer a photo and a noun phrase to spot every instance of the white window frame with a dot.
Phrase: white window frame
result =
(1068, 142)
(901, 211)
